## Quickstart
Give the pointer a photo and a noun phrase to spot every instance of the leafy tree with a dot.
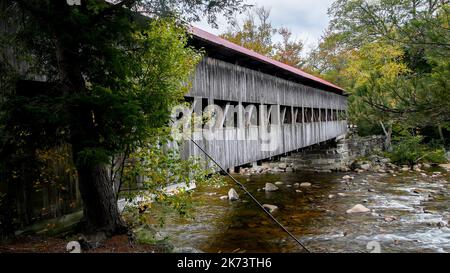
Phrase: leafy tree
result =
(108, 79)
(256, 32)
(376, 69)
(392, 55)
(288, 51)
(329, 59)
(420, 30)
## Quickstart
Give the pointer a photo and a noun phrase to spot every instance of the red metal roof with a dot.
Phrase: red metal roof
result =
(225, 43)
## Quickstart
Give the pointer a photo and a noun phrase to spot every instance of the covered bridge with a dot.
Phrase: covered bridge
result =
(265, 108)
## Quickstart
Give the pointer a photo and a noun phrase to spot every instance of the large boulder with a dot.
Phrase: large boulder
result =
(270, 187)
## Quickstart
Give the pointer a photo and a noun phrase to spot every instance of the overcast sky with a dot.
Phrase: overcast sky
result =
(307, 19)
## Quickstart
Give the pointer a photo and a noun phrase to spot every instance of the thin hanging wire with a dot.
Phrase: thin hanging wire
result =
(253, 198)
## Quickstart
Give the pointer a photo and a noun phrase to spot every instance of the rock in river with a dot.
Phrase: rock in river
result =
(279, 183)
(358, 209)
(270, 187)
(224, 197)
(305, 184)
(233, 195)
(419, 191)
(390, 219)
(270, 208)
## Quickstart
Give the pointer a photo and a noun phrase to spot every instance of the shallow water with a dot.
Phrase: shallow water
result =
(318, 220)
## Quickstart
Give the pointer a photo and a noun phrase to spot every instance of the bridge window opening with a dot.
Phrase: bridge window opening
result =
(268, 117)
(316, 113)
(269, 121)
(232, 116)
(205, 103)
(308, 115)
(213, 115)
(323, 114)
(229, 119)
(299, 116)
(287, 111)
(334, 114)
(251, 115)
(329, 114)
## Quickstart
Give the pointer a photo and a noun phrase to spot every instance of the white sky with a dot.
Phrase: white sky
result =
(307, 19)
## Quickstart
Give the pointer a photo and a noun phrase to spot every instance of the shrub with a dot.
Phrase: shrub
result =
(409, 150)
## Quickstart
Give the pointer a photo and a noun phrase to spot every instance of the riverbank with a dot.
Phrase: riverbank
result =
(45, 244)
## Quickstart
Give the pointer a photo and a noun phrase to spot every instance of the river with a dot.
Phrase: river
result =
(408, 214)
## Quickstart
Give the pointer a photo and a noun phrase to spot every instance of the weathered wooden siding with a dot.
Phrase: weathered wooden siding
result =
(220, 80)
(222, 83)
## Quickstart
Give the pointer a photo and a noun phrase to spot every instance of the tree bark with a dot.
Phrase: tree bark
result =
(100, 208)
(388, 135)
(441, 134)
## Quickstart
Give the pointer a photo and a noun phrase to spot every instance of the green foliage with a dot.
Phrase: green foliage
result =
(129, 105)
(392, 57)
(435, 156)
(410, 150)
(108, 78)
(160, 166)
(368, 128)
(329, 59)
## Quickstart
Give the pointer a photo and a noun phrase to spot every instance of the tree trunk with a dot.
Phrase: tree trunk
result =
(441, 134)
(388, 137)
(388, 141)
(100, 208)
(99, 200)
